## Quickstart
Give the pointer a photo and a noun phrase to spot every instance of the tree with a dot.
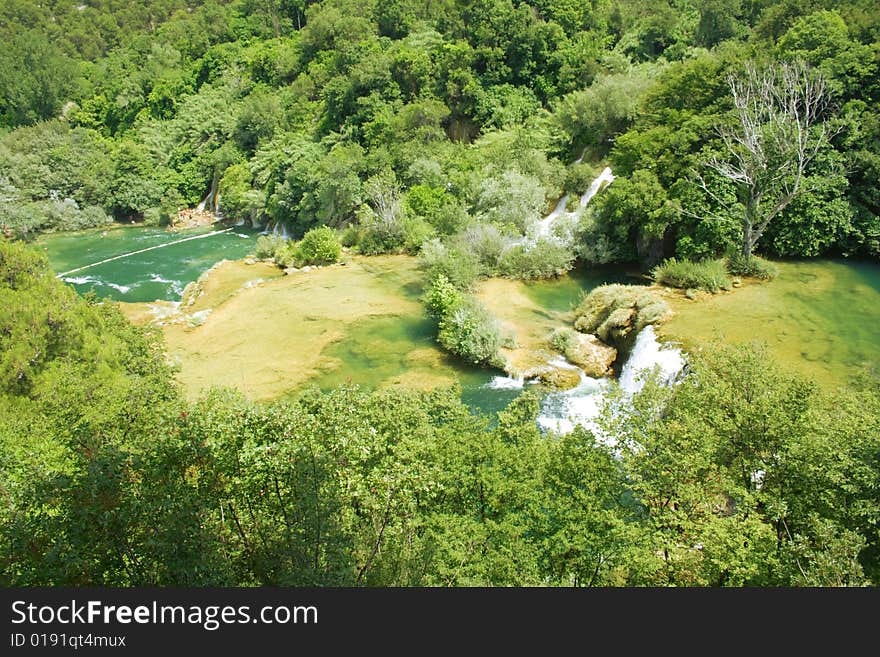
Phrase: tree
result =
(778, 132)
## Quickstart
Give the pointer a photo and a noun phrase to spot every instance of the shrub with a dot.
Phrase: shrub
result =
(578, 179)
(416, 231)
(485, 241)
(319, 246)
(543, 259)
(286, 255)
(350, 236)
(460, 267)
(754, 267)
(710, 275)
(442, 297)
(616, 313)
(469, 331)
(267, 245)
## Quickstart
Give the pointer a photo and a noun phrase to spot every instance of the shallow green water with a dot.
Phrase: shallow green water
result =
(820, 318)
(159, 273)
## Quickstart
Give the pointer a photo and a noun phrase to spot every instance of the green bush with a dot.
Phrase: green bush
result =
(616, 313)
(709, 275)
(754, 267)
(460, 267)
(287, 255)
(319, 246)
(441, 297)
(469, 331)
(544, 259)
(267, 245)
(416, 231)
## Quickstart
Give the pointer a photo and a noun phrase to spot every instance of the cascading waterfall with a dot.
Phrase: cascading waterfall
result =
(648, 354)
(561, 411)
(543, 227)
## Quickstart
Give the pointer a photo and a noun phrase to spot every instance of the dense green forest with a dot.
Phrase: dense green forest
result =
(445, 129)
(452, 121)
(740, 475)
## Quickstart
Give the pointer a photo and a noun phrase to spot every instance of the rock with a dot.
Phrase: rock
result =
(690, 293)
(290, 270)
(736, 282)
(592, 355)
(561, 379)
(250, 261)
(306, 268)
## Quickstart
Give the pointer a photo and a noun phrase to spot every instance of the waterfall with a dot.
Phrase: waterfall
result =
(646, 355)
(605, 178)
(543, 227)
(562, 410)
(279, 230)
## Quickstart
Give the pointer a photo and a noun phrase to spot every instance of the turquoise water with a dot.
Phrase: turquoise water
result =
(153, 274)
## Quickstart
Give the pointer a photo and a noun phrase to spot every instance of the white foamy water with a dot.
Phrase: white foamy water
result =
(562, 411)
(543, 227)
(648, 354)
(94, 280)
(505, 383)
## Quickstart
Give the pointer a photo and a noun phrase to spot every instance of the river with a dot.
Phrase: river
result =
(820, 317)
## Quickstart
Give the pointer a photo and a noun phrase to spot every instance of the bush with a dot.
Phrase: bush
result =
(578, 179)
(616, 313)
(286, 255)
(319, 246)
(416, 231)
(268, 245)
(709, 275)
(442, 297)
(469, 331)
(350, 236)
(485, 241)
(544, 259)
(460, 267)
(754, 267)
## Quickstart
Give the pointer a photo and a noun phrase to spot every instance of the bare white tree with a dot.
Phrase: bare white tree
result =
(779, 130)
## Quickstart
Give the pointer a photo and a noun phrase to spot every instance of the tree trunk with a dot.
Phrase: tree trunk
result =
(747, 241)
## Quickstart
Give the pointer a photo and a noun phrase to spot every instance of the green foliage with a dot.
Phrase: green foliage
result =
(544, 258)
(469, 331)
(459, 266)
(465, 327)
(616, 313)
(319, 246)
(754, 267)
(739, 475)
(709, 275)
(268, 245)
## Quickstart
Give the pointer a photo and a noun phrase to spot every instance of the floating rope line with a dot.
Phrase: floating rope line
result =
(149, 248)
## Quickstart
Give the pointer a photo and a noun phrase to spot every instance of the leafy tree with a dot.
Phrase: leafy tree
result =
(780, 130)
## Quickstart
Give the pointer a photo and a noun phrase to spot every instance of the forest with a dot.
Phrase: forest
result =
(740, 133)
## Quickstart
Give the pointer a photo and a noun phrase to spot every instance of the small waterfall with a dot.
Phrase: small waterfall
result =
(278, 230)
(646, 355)
(605, 178)
(506, 383)
(543, 227)
(561, 411)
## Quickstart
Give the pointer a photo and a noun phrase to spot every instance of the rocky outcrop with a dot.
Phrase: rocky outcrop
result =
(592, 355)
